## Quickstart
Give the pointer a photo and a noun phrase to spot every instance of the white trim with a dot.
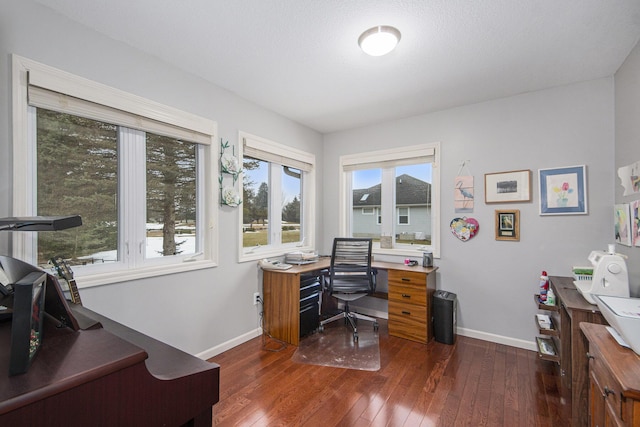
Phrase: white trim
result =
(498, 339)
(274, 152)
(55, 80)
(387, 158)
(24, 165)
(430, 152)
(228, 345)
(308, 199)
(470, 333)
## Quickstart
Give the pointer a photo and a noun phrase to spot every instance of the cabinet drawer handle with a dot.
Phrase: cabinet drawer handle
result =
(408, 313)
(406, 279)
(608, 391)
(590, 356)
(406, 296)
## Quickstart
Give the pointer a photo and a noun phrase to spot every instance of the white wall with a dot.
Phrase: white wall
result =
(495, 280)
(193, 311)
(628, 145)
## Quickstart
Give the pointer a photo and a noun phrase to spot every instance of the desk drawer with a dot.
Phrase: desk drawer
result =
(406, 293)
(408, 278)
(408, 321)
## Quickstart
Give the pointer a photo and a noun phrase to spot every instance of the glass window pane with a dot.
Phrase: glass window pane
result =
(366, 194)
(255, 202)
(77, 173)
(413, 204)
(291, 209)
(171, 197)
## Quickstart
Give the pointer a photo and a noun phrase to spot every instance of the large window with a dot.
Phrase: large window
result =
(139, 183)
(402, 186)
(278, 200)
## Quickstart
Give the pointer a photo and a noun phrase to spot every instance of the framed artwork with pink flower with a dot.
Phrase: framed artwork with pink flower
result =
(563, 191)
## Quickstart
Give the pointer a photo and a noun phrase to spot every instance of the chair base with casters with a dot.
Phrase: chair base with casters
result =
(349, 317)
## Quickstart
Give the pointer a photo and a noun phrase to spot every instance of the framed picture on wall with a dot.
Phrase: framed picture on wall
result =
(508, 225)
(563, 191)
(623, 224)
(505, 187)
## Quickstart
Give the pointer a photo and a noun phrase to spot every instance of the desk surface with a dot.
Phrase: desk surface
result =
(324, 262)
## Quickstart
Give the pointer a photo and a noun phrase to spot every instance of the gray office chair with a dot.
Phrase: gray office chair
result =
(350, 277)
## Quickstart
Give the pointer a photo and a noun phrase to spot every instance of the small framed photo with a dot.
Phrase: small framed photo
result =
(506, 187)
(508, 225)
(563, 191)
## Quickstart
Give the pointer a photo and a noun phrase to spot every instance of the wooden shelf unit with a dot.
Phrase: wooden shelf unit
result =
(553, 335)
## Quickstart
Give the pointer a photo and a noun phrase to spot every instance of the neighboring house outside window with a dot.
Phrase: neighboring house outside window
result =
(403, 184)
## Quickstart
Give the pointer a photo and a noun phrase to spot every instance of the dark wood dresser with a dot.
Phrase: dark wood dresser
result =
(614, 375)
(574, 366)
(109, 375)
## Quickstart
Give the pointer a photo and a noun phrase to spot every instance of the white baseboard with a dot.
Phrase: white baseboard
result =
(214, 351)
(498, 339)
(471, 333)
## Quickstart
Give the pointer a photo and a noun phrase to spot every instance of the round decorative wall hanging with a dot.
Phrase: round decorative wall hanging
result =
(464, 228)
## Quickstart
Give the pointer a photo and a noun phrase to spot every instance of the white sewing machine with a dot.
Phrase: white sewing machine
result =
(623, 314)
(610, 276)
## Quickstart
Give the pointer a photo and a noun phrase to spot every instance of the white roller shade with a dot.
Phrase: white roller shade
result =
(277, 153)
(388, 158)
(98, 102)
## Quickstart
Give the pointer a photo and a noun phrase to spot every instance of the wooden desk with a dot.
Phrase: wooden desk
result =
(574, 366)
(107, 376)
(281, 292)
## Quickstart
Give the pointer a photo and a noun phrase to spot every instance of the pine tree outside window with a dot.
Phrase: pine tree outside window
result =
(141, 185)
(277, 200)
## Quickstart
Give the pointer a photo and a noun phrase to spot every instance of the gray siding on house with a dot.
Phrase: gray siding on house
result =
(411, 193)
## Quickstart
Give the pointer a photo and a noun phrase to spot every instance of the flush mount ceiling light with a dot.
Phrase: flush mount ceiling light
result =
(380, 40)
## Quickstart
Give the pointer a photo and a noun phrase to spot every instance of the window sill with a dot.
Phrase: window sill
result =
(118, 276)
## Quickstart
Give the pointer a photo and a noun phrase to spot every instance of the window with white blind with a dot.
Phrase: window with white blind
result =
(278, 199)
(403, 187)
(139, 174)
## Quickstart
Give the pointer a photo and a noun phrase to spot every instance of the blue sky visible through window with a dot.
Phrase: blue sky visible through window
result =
(290, 186)
(370, 177)
(361, 179)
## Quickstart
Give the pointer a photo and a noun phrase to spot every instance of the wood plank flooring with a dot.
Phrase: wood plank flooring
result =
(471, 383)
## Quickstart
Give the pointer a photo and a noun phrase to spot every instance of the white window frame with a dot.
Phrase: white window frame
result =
(368, 211)
(390, 158)
(408, 215)
(27, 72)
(277, 154)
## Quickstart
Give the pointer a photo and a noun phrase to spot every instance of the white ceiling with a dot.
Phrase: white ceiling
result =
(300, 58)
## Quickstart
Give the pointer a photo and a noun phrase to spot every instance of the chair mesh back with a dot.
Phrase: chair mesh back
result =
(350, 269)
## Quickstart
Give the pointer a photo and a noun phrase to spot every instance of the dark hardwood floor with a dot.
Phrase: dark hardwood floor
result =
(471, 383)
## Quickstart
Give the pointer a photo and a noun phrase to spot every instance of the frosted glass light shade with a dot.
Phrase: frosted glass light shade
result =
(380, 40)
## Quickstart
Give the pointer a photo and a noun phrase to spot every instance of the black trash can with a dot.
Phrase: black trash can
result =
(445, 305)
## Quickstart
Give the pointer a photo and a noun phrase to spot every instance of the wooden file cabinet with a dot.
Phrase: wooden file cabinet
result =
(410, 304)
(614, 378)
